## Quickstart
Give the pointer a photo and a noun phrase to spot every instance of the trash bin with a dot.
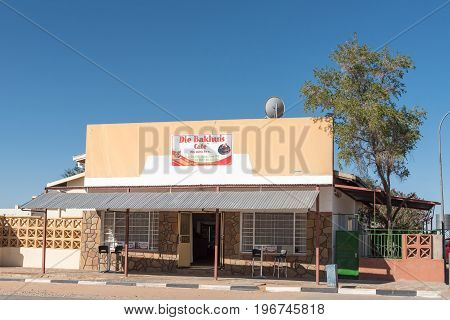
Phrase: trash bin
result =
(332, 279)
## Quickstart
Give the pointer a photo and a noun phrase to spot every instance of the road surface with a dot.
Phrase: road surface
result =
(20, 290)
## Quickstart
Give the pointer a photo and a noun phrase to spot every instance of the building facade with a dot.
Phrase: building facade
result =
(193, 193)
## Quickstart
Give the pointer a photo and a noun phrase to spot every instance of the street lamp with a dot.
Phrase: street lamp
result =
(442, 193)
(440, 171)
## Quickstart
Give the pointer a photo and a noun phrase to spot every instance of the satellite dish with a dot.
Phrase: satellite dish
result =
(274, 107)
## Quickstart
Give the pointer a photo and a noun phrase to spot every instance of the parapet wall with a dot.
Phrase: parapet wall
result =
(427, 270)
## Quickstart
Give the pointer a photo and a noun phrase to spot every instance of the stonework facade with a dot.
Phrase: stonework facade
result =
(90, 240)
(234, 262)
(138, 260)
(237, 263)
(166, 259)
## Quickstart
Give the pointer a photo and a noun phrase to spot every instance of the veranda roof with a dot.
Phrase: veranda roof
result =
(292, 200)
(366, 196)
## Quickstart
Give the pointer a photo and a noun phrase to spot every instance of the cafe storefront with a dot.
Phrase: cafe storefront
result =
(206, 193)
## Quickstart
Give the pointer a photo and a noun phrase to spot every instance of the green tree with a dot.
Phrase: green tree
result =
(72, 171)
(372, 131)
(403, 217)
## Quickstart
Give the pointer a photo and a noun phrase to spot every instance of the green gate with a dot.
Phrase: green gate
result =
(347, 258)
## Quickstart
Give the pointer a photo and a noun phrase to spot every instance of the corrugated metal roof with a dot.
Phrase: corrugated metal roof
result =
(297, 200)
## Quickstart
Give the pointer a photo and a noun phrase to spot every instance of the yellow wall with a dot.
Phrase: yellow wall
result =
(283, 147)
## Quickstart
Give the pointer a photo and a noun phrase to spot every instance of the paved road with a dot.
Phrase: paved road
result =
(16, 290)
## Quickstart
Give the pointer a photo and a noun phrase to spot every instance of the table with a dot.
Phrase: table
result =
(264, 249)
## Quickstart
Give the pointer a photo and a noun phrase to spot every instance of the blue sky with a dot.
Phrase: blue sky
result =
(200, 60)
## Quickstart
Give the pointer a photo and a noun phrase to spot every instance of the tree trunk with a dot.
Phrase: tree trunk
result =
(389, 209)
(385, 181)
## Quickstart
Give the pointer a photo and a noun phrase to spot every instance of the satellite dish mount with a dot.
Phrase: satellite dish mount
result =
(274, 107)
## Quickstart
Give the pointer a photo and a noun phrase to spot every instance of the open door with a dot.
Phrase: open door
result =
(203, 228)
(184, 239)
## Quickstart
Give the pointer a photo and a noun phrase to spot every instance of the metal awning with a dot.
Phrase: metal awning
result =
(366, 196)
(292, 200)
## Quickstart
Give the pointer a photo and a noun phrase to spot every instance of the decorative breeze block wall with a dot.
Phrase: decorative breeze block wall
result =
(28, 232)
(417, 246)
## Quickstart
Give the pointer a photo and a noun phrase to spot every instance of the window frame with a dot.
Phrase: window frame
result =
(293, 253)
(151, 232)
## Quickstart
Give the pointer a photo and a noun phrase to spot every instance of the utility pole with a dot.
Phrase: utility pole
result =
(440, 169)
(442, 190)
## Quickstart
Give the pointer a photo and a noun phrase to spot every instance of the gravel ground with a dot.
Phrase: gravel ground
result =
(206, 277)
(19, 290)
(66, 291)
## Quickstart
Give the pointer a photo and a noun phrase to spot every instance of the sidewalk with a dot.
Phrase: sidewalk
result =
(206, 281)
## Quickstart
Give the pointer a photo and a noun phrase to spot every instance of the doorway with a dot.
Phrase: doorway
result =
(347, 256)
(203, 227)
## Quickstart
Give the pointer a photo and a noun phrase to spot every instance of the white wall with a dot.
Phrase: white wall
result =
(14, 212)
(343, 204)
(71, 213)
(63, 213)
(338, 204)
(325, 200)
(32, 258)
(344, 207)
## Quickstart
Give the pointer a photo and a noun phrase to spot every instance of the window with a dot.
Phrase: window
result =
(144, 230)
(284, 230)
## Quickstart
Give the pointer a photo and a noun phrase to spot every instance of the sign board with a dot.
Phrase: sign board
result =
(202, 149)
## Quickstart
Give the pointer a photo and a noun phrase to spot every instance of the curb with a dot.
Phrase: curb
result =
(283, 289)
(361, 291)
(320, 290)
(214, 287)
(244, 288)
(357, 291)
(397, 293)
(352, 291)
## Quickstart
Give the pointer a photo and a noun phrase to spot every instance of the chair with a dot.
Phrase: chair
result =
(119, 257)
(101, 259)
(280, 261)
(256, 254)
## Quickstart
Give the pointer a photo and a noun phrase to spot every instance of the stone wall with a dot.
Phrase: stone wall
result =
(237, 263)
(166, 258)
(90, 240)
(138, 260)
